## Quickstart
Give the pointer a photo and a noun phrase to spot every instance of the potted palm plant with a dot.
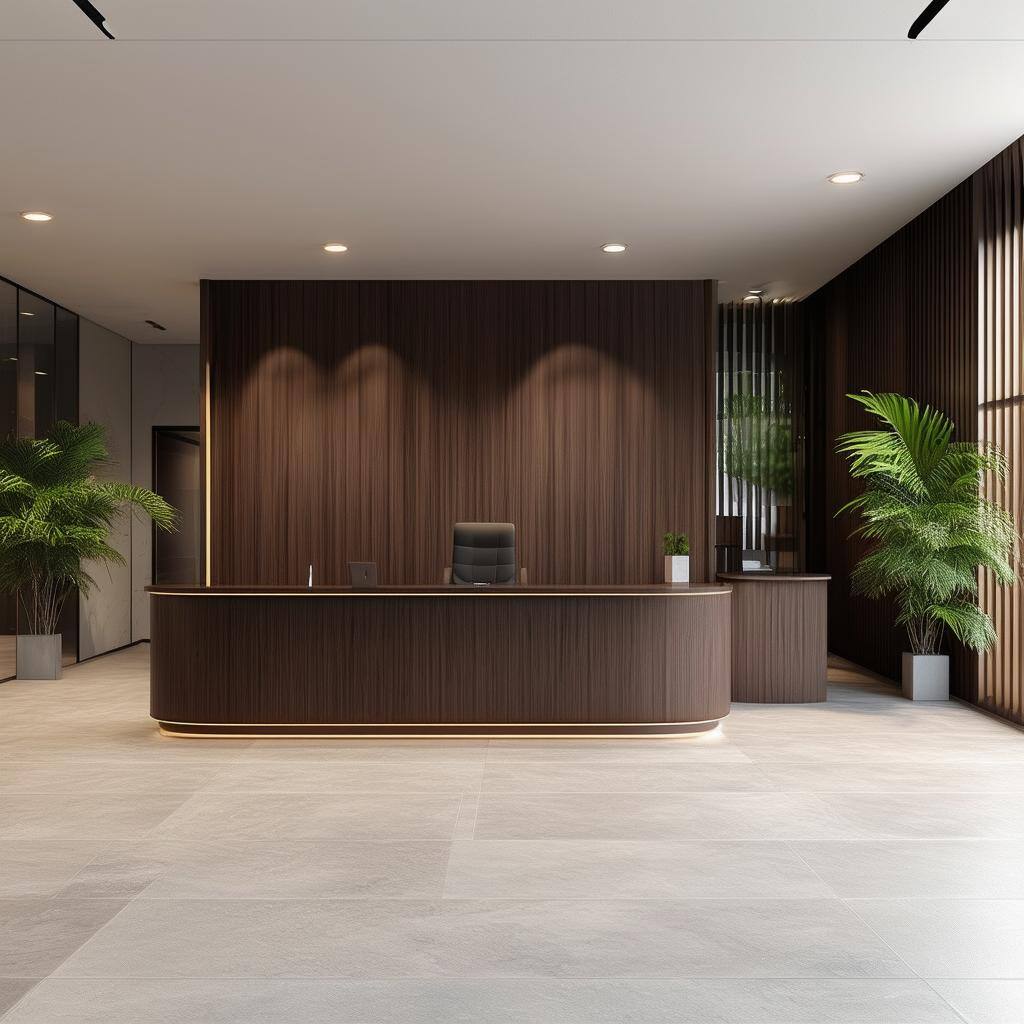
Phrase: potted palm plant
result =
(930, 529)
(54, 516)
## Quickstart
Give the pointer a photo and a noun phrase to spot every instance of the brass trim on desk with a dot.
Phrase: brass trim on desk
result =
(719, 592)
(440, 730)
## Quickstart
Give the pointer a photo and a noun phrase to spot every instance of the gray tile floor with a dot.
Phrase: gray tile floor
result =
(860, 862)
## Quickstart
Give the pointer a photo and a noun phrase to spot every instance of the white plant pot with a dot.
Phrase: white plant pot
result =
(40, 656)
(925, 676)
(677, 568)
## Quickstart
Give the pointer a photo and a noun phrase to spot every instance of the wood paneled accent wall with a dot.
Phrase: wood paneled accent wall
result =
(931, 312)
(999, 223)
(900, 319)
(354, 420)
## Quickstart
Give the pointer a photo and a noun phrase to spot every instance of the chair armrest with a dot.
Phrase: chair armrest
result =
(522, 576)
(447, 577)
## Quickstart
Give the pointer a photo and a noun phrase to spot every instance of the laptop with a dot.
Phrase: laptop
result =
(363, 574)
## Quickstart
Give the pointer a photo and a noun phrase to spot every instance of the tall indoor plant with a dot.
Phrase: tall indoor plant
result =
(931, 529)
(54, 515)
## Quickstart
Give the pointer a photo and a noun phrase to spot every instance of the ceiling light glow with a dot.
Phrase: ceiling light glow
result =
(846, 177)
(37, 215)
(335, 247)
(613, 247)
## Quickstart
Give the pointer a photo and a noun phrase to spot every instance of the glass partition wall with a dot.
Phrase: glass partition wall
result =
(759, 384)
(38, 386)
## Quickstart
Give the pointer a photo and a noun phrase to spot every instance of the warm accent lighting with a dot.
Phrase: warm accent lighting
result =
(846, 177)
(613, 247)
(36, 215)
(751, 298)
(25, 312)
(40, 373)
(335, 247)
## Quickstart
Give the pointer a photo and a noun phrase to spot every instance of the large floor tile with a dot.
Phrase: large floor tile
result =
(494, 1001)
(529, 777)
(896, 777)
(704, 748)
(560, 869)
(984, 1002)
(100, 777)
(33, 867)
(395, 751)
(945, 868)
(667, 816)
(312, 816)
(951, 938)
(84, 815)
(949, 748)
(13, 989)
(340, 777)
(273, 869)
(37, 934)
(924, 815)
(363, 939)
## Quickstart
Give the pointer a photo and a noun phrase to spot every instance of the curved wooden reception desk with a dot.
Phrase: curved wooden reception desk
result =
(440, 660)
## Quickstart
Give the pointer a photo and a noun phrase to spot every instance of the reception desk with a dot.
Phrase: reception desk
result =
(556, 660)
(780, 637)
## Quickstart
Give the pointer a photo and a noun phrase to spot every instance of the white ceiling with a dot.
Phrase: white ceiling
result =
(470, 139)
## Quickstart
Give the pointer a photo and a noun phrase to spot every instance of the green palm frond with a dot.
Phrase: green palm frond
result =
(55, 515)
(929, 525)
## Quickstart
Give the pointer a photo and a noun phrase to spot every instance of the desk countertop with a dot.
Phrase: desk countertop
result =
(773, 577)
(425, 590)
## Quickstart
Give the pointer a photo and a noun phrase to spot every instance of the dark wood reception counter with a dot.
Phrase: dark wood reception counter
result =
(780, 637)
(555, 660)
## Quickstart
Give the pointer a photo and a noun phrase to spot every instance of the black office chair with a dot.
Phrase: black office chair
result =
(483, 553)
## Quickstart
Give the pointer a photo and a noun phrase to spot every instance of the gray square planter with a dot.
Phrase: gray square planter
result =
(39, 657)
(925, 676)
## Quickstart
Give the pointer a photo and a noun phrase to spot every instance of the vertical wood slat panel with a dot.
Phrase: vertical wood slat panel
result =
(936, 312)
(999, 220)
(900, 319)
(358, 420)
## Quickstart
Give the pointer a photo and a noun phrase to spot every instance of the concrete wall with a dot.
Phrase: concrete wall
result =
(165, 390)
(105, 396)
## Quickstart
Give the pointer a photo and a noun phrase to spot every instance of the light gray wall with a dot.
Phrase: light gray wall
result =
(165, 390)
(129, 388)
(105, 396)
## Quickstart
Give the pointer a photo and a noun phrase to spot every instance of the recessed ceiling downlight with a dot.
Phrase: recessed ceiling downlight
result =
(846, 177)
(335, 247)
(613, 247)
(37, 216)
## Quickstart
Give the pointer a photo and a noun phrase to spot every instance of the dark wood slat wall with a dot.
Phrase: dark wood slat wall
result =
(900, 319)
(932, 312)
(359, 420)
(999, 224)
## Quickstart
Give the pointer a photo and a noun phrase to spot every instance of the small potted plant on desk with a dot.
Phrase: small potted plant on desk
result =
(677, 557)
(54, 515)
(931, 529)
